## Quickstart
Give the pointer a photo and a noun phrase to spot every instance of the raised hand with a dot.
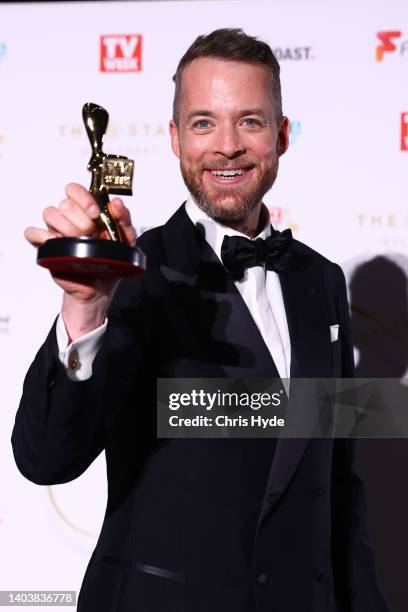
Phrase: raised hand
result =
(85, 299)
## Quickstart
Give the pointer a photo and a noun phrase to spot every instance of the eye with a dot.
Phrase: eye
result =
(202, 124)
(251, 122)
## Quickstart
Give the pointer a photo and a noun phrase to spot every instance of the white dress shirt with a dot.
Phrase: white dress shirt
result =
(259, 288)
(78, 356)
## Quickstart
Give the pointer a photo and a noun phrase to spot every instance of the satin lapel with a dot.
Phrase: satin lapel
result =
(212, 303)
(308, 322)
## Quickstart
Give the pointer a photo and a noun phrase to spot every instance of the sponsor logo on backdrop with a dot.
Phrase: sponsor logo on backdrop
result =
(3, 51)
(4, 323)
(295, 131)
(66, 519)
(120, 53)
(404, 131)
(294, 53)
(281, 218)
(79, 524)
(389, 228)
(390, 43)
(132, 139)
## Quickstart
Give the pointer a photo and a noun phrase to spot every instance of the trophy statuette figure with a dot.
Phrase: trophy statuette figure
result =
(85, 256)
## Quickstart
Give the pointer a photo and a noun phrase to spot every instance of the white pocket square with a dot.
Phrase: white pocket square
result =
(334, 332)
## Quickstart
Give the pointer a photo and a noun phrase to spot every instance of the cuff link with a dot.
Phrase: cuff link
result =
(73, 362)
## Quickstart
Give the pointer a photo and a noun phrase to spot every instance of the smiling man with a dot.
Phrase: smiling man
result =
(228, 132)
(204, 525)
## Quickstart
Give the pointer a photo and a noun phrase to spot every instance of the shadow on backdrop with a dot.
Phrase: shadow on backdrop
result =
(379, 316)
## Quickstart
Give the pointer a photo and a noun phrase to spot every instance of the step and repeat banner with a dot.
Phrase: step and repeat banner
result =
(342, 188)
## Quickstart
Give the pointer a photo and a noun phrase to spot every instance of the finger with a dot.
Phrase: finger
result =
(78, 217)
(123, 219)
(56, 222)
(83, 197)
(37, 236)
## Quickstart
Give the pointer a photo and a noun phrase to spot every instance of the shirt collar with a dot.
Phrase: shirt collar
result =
(214, 231)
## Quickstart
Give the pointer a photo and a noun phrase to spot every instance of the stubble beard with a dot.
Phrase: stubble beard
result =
(245, 200)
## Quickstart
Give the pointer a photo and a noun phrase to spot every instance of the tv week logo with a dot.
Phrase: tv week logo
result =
(121, 53)
(389, 44)
(275, 214)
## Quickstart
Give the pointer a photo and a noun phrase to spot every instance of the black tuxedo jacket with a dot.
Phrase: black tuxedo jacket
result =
(210, 525)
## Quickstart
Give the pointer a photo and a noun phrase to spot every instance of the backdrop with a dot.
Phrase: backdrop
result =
(342, 188)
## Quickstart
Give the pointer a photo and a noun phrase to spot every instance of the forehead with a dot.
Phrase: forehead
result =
(216, 84)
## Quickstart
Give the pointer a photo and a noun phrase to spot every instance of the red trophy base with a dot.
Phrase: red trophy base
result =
(91, 257)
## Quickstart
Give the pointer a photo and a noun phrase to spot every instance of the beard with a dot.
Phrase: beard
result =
(244, 198)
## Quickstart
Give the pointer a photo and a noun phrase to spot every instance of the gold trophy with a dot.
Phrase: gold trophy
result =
(84, 256)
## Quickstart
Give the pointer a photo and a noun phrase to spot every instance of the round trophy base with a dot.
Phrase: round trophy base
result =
(91, 257)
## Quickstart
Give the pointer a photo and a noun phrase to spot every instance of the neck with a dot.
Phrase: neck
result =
(253, 224)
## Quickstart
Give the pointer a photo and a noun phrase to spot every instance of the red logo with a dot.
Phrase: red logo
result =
(275, 213)
(121, 53)
(387, 44)
(404, 131)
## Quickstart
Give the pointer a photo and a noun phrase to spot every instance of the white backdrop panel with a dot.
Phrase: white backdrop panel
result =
(341, 187)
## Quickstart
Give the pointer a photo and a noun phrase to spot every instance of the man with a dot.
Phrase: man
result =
(220, 525)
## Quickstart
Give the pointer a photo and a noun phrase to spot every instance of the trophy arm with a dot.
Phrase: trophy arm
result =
(105, 216)
(96, 120)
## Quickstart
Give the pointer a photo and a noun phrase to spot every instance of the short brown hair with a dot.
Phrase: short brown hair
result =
(234, 45)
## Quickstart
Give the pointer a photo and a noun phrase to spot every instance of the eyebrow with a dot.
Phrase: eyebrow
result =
(243, 113)
(252, 111)
(201, 113)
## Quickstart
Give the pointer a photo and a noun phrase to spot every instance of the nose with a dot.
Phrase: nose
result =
(228, 142)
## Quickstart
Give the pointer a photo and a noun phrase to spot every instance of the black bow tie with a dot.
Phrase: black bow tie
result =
(239, 253)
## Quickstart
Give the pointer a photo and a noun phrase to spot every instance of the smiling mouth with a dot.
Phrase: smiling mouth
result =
(228, 174)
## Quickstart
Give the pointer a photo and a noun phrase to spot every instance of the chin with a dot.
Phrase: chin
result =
(231, 209)
(225, 204)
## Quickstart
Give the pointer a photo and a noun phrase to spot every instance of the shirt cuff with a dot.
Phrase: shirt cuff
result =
(78, 356)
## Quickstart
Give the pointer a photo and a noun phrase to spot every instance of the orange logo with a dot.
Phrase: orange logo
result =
(387, 44)
(282, 217)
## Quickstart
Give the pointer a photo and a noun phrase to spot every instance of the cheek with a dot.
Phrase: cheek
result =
(194, 149)
(262, 148)
(268, 154)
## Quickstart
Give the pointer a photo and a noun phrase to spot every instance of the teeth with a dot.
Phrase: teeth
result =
(237, 172)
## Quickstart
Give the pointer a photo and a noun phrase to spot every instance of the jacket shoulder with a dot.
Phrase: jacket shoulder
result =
(151, 241)
(327, 267)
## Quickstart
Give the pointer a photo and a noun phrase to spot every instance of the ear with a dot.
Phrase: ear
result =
(174, 135)
(282, 142)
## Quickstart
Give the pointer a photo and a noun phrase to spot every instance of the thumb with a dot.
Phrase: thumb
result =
(122, 217)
